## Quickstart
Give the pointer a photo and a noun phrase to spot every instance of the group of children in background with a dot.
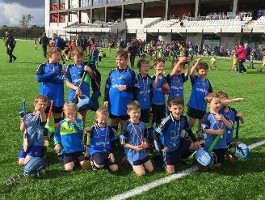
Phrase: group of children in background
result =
(128, 100)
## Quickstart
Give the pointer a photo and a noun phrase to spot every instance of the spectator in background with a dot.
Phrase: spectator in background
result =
(58, 42)
(241, 55)
(93, 51)
(133, 49)
(247, 50)
(10, 43)
(44, 42)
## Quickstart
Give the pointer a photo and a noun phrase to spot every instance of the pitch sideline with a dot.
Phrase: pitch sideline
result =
(143, 188)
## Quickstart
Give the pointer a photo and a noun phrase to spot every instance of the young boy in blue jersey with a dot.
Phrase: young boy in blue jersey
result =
(201, 86)
(158, 95)
(144, 84)
(176, 78)
(120, 89)
(170, 139)
(229, 113)
(74, 74)
(101, 141)
(213, 124)
(50, 77)
(133, 139)
(32, 124)
(68, 139)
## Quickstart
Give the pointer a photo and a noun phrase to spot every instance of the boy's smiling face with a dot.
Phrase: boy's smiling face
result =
(176, 111)
(121, 62)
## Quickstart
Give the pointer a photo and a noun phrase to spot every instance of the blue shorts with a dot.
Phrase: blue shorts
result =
(101, 158)
(33, 151)
(122, 117)
(73, 157)
(220, 154)
(195, 113)
(171, 158)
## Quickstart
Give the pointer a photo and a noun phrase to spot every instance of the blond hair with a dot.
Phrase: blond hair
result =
(102, 111)
(70, 106)
(41, 98)
(134, 105)
(210, 96)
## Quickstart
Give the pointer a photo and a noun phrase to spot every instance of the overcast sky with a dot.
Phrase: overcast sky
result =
(12, 11)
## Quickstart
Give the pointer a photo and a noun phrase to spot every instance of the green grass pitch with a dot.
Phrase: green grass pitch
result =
(244, 180)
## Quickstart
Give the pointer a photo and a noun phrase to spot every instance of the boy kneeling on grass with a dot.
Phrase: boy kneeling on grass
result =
(68, 139)
(168, 136)
(101, 140)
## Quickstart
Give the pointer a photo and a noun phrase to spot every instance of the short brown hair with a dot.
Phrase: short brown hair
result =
(78, 51)
(40, 98)
(222, 94)
(53, 50)
(102, 111)
(122, 53)
(210, 96)
(175, 101)
(134, 105)
(70, 106)
(158, 60)
(142, 61)
(202, 65)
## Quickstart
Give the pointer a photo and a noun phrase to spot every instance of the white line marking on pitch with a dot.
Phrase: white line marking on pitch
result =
(143, 188)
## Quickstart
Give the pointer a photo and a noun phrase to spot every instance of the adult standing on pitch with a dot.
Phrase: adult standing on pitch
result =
(10, 45)
(44, 41)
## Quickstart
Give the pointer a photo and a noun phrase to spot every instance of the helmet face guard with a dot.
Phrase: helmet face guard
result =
(242, 151)
(204, 157)
(84, 103)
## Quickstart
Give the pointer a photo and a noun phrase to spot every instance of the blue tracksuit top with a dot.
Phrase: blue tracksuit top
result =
(229, 114)
(176, 85)
(101, 139)
(118, 100)
(70, 135)
(170, 130)
(144, 85)
(35, 129)
(50, 77)
(74, 75)
(209, 122)
(134, 134)
(200, 88)
(158, 97)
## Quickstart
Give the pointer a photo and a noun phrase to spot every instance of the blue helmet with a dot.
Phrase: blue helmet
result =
(242, 151)
(203, 157)
(84, 103)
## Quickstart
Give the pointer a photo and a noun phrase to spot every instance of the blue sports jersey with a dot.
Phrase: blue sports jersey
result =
(170, 130)
(34, 129)
(209, 122)
(118, 100)
(50, 77)
(101, 139)
(69, 135)
(144, 85)
(74, 75)
(176, 85)
(229, 114)
(158, 97)
(200, 88)
(134, 134)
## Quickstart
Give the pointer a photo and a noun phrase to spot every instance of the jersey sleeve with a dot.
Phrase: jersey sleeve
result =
(41, 76)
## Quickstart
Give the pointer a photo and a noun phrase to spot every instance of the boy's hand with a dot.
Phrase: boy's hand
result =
(57, 148)
(238, 99)
(219, 117)
(165, 149)
(87, 68)
(111, 157)
(78, 91)
(144, 144)
(87, 130)
(122, 87)
(220, 131)
(199, 60)
(138, 148)
(106, 104)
